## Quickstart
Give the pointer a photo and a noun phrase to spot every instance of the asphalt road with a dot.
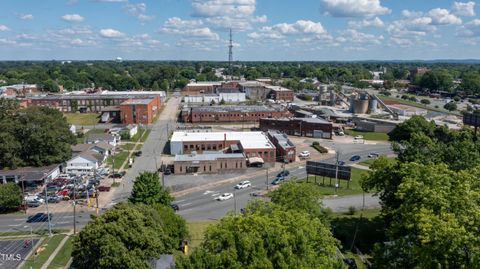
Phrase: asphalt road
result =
(201, 204)
(13, 252)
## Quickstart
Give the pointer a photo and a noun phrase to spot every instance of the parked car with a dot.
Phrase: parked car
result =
(39, 217)
(304, 154)
(284, 173)
(104, 188)
(341, 163)
(138, 153)
(277, 180)
(373, 155)
(355, 158)
(358, 137)
(33, 203)
(175, 207)
(256, 194)
(167, 171)
(242, 185)
(64, 192)
(54, 199)
(225, 196)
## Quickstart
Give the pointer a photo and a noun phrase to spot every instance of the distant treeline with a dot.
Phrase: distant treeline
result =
(163, 75)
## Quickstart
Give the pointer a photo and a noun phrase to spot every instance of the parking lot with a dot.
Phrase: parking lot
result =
(14, 252)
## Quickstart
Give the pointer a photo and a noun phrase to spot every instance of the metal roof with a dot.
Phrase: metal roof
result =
(235, 109)
(248, 140)
(208, 156)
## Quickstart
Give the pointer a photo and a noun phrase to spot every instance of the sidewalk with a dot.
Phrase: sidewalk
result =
(55, 252)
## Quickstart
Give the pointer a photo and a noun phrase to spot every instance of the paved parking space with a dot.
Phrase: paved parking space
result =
(14, 252)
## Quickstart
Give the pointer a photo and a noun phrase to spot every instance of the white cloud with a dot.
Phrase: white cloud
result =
(353, 8)
(4, 28)
(401, 42)
(75, 31)
(111, 33)
(26, 17)
(354, 36)
(112, 1)
(470, 29)
(221, 8)
(411, 27)
(464, 9)
(411, 14)
(138, 11)
(281, 30)
(76, 41)
(442, 16)
(5, 41)
(73, 18)
(375, 22)
(188, 29)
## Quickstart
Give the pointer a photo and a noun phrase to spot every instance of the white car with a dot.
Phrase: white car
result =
(358, 137)
(243, 185)
(225, 196)
(373, 155)
(304, 154)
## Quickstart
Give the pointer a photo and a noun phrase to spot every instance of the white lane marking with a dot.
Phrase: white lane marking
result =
(215, 194)
(207, 192)
(185, 204)
(19, 219)
(300, 167)
(15, 225)
(179, 201)
(62, 222)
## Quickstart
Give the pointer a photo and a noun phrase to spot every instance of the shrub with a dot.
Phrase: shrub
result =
(319, 148)
(352, 210)
(425, 101)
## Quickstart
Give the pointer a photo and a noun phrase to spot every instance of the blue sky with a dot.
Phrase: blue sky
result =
(276, 30)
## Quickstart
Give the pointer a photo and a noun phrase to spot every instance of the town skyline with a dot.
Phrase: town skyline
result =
(312, 30)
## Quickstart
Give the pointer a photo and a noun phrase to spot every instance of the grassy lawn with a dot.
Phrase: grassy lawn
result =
(63, 256)
(139, 134)
(329, 189)
(370, 161)
(368, 135)
(128, 146)
(365, 227)
(119, 159)
(49, 245)
(415, 104)
(82, 118)
(36, 233)
(196, 230)
(147, 133)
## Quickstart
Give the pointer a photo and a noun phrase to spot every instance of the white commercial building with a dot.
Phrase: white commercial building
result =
(227, 97)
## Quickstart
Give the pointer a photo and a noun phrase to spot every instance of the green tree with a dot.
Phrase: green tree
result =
(10, 197)
(155, 86)
(450, 106)
(267, 236)
(127, 235)
(300, 196)
(416, 124)
(437, 80)
(425, 101)
(147, 190)
(50, 85)
(433, 215)
(470, 83)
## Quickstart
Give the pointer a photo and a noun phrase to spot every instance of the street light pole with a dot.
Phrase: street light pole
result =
(235, 200)
(266, 180)
(336, 172)
(48, 212)
(31, 243)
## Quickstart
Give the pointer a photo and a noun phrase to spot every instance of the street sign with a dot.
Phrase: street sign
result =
(328, 170)
(472, 119)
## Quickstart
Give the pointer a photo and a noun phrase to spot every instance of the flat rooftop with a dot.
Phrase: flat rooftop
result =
(208, 156)
(310, 120)
(96, 96)
(137, 102)
(204, 83)
(252, 84)
(249, 140)
(278, 89)
(235, 109)
(281, 138)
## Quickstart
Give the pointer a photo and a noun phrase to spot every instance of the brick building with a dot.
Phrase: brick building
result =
(310, 127)
(286, 150)
(209, 162)
(135, 111)
(251, 144)
(278, 93)
(231, 113)
(196, 88)
(84, 102)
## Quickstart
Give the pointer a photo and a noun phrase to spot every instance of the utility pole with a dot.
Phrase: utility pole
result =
(266, 180)
(48, 212)
(24, 202)
(96, 198)
(74, 204)
(230, 55)
(235, 200)
(31, 243)
(336, 172)
(113, 167)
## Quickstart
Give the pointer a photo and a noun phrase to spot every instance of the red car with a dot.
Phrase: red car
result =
(64, 192)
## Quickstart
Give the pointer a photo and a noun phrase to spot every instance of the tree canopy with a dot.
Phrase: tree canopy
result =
(266, 236)
(127, 235)
(147, 190)
(433, 215)
(10, 197)
(34, 136)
